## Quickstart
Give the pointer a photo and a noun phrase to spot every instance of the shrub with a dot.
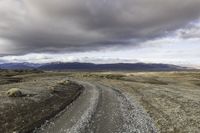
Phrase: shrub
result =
(14, 92)
(64, 82)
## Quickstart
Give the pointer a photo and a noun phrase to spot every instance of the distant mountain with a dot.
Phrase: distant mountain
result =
(110, 67)
(15, 66)
(60, 66)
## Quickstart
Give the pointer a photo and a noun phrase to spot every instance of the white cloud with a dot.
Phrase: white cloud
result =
(47, 58)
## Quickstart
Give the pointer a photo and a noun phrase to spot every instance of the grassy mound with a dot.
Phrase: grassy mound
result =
(14, 92)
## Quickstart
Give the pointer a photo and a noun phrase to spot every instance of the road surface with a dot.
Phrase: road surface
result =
(100, 109)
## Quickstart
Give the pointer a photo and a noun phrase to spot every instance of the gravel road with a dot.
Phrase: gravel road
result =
(100, 109)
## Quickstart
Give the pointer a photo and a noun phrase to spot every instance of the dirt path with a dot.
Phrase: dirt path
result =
(100, 109)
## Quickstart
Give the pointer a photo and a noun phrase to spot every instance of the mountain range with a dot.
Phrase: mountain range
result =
(61, 66)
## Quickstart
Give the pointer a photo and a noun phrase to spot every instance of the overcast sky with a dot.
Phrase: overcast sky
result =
(100, 31)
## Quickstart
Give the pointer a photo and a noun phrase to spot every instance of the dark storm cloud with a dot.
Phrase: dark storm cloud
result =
(83, 25)
(191, 32)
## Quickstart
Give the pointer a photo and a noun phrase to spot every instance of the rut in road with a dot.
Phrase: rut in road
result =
(101, 109)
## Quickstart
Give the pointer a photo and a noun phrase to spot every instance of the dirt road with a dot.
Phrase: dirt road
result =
(100, 109)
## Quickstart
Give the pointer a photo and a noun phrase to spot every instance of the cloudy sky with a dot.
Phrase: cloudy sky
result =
(100, 31)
